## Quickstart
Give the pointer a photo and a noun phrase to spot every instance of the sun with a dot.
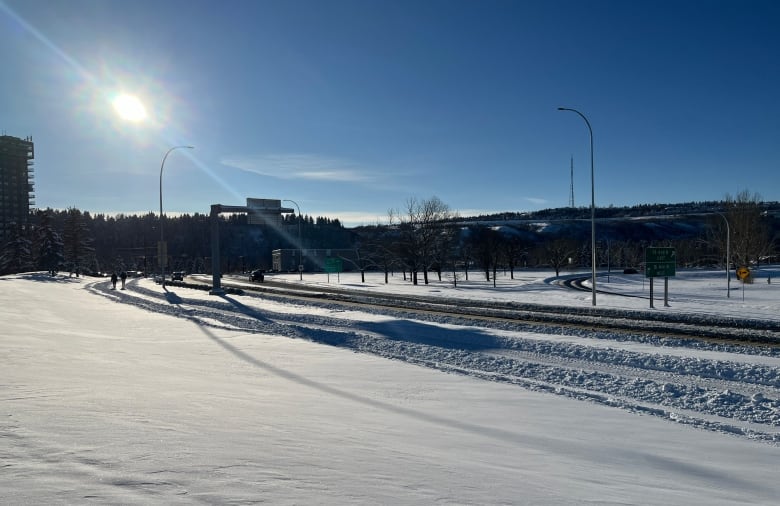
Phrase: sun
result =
(129, 107)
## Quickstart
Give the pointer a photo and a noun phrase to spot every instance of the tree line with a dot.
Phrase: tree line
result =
(77, 241)
(427, 237)
(423, 238)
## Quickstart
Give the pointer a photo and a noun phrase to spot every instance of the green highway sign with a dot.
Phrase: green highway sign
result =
(662, 255)
(659, 270)
(333, 264)
(660, 262)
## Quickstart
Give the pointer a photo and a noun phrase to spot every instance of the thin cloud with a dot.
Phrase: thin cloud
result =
(298, 166)
(333, 175)
(537, 201)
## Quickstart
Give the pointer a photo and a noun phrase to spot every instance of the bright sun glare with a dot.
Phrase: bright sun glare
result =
(129, 107)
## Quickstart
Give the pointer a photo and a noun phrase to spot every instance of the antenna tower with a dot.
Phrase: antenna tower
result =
(571, 186)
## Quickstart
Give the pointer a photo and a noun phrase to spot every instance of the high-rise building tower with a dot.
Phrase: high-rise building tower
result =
(16, 182)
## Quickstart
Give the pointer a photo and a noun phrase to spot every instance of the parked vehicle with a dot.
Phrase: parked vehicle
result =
(177, 276)
(257, 275)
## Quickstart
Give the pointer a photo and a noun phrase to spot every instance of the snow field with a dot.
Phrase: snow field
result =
(138, 398)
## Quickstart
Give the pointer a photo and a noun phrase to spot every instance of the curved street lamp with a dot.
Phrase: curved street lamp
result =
(162, 236)
(300, 244)
(592, 204)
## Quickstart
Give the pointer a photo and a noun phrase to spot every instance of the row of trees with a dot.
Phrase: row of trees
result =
(744, 223)
(77, 241)
(45, 246)
(428, 237)
(425, 237)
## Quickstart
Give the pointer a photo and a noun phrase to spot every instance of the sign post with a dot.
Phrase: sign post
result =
(660, 262)
(743, 273)
(162, 254)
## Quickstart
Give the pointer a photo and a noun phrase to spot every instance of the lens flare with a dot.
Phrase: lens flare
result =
(129, 107)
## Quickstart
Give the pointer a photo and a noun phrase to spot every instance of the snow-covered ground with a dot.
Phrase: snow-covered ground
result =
(690, 291)
(141, 396)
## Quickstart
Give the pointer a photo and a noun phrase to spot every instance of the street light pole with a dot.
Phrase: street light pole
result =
(728, 255)
(300, 244)
(162, 250)
(592, 204)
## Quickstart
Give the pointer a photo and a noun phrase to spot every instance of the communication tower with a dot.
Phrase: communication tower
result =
(571, 185)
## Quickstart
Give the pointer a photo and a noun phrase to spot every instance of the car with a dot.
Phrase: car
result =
(257, 275)
(177, 276)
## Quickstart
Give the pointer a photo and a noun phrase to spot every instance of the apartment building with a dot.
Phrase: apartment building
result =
(16, 182)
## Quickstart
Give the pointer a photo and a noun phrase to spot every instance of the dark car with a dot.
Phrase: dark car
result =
(177, 276)
(257, 275)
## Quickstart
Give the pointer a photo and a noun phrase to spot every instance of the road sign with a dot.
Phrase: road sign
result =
(660, 262)
(265, 212)
(659, 270)
(656, 255)
(743, 273)
(333, 264)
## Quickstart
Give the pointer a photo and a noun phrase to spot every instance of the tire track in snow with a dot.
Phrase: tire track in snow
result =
(651, 383)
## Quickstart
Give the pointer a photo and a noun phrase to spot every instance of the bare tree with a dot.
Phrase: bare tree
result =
(463, 251)
(559, 253)
(487, 246)
(749, 233)
(434, 236)
(421, 231)
(514, 250)
(378, 246)
(445, 245)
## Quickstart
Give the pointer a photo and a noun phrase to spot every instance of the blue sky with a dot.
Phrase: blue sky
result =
(350, 108)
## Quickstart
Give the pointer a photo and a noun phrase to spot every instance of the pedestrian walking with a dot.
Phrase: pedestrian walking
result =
(113, 280)
(124, 277)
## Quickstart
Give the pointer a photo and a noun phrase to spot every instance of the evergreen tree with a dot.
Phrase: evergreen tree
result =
(77, 241)
(16, 255)
(48, 244)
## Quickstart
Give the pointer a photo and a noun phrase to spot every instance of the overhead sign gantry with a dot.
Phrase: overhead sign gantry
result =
(259, 212)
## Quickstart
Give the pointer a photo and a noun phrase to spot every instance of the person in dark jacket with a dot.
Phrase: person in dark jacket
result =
(123, 275)
(113, 280)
